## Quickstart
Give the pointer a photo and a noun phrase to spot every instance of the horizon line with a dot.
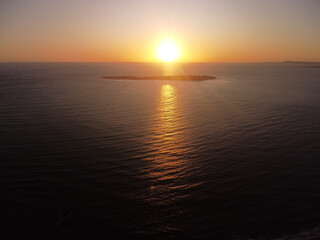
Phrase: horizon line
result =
(285, 61)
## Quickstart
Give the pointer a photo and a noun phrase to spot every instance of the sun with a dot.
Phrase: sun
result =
(168, 51)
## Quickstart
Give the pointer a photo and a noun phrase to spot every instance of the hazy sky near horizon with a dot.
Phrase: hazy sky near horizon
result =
(129, 30)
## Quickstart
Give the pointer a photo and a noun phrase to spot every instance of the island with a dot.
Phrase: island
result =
(300, 62)
(165, 77)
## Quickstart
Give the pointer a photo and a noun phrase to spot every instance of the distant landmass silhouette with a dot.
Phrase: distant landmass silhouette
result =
(166, 77)
(305, 64)
(296, 62)
(301, 62)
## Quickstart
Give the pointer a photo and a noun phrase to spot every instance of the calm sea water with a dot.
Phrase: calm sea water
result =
(88, 158)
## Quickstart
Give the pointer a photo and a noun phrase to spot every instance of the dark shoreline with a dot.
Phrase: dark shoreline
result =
(170, 77)
(316, 66)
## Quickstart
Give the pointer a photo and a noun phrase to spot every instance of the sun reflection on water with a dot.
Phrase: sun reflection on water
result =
(168, 160)
(168, 109)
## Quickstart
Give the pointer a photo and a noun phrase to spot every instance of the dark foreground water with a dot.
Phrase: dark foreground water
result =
(86, 158)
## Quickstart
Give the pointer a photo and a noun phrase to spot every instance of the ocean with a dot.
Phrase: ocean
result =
(83, 157)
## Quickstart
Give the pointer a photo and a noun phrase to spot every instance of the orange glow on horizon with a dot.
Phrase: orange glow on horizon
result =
(205, 31)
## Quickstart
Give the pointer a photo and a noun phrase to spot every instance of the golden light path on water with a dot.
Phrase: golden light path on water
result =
(169, 163)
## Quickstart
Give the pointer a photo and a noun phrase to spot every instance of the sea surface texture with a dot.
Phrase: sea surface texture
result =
(83, 157)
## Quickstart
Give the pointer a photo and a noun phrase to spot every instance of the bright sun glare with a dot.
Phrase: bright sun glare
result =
(168, 51)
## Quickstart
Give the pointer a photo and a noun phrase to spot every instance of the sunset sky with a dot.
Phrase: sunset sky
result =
(130, 30)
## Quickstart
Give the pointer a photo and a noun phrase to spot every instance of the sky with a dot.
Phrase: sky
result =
(130, 30)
